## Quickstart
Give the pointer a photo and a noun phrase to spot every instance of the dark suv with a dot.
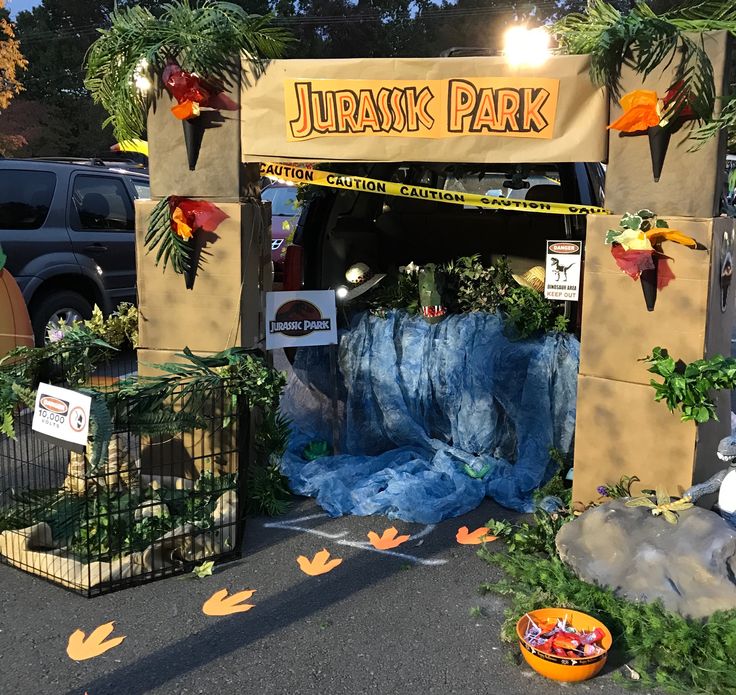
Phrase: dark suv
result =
(68, 230)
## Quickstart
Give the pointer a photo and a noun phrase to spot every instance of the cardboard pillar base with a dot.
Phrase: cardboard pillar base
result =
(224, 307)
(621, 430)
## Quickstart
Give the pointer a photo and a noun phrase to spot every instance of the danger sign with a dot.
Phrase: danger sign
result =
(562, 272)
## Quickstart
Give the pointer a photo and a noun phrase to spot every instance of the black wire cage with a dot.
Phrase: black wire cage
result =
(137, 505)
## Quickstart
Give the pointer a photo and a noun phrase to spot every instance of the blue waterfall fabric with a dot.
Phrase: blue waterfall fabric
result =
(424, 404)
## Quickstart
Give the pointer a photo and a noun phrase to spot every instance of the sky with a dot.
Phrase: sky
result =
(15, 6)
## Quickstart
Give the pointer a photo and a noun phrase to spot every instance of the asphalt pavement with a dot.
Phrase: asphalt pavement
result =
(408, 623)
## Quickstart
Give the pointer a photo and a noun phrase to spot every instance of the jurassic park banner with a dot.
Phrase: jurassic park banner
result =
(424, 109)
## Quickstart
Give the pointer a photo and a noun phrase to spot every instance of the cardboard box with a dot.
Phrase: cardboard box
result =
(689, 318)
(184, 455)
(691, 181)
(218, 170)
(225, 306)
(621, 430)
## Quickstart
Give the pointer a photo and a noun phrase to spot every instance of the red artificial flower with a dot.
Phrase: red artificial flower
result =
(632, 262)
(192, 92)
(188, 216)
(676, 98)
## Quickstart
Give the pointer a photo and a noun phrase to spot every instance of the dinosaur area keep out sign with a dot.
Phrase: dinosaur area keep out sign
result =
(300, 318)
(562, 273)
(62, 416)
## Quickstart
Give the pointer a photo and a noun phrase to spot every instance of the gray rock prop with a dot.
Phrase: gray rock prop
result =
(689, 566)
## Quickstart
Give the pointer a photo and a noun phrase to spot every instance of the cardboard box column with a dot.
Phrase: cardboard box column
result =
(225, 305)
(620, 429)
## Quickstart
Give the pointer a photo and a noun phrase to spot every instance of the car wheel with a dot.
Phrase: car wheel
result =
(58, 308)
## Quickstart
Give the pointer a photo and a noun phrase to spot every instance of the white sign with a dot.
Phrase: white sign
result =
(562, 272)
(300, 318)
(62, 415)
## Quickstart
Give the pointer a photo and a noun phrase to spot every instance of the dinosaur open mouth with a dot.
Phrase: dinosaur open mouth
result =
(730, 458)
(431, 312)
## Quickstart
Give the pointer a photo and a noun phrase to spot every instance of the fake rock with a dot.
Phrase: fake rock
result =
(689, 566)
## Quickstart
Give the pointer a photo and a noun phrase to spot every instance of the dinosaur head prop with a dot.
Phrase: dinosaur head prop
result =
(431, 287)
(727, 450)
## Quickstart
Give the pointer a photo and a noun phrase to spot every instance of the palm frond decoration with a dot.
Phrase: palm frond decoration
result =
(205, 38)
(643, 41)
(161, 237)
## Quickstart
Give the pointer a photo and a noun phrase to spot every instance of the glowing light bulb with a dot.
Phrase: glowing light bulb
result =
(526, 47)
(341, 292)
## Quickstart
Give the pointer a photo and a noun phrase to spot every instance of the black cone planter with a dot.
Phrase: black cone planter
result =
(659, 141)
(193, 132)
(648, 279)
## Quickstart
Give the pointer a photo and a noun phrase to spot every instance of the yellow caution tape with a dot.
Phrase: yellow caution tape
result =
(298, 174)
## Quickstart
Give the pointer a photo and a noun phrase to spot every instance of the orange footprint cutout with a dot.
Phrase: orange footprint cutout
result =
(389, 539)
(220, 603)
(80, 647)
(480, 535)
(320, 564)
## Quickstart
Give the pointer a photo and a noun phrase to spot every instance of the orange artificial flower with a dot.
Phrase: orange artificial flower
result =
(660, 234)
(641, 111)
(179, 223)
(186, 110)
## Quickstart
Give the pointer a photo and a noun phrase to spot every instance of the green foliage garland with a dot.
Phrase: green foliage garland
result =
(205, 38)
(687, 387)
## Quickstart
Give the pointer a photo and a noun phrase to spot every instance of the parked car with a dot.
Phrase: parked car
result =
(340, 228)
(68, 230)
(285, 212)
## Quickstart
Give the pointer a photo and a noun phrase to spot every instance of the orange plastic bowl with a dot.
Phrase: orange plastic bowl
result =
(562, 668)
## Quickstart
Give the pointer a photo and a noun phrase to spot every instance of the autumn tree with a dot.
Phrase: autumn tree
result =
(11, 61)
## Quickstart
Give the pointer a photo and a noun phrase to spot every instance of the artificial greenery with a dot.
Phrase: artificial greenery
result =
(478, 287)
(662, 505)
(620, 489)
(268, 489)
(473, 286)
(666, 649)
(77, 354)
(169, 246)
(688, 387)
(102, 525)
(643, 41)
(206, 38)
(119, 329)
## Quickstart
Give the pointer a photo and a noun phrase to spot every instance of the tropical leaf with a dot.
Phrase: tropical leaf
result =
(207, 38)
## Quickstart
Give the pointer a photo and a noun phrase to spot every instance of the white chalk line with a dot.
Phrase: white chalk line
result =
(339, 538)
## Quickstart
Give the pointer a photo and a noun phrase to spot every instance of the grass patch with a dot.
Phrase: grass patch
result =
(666, 649)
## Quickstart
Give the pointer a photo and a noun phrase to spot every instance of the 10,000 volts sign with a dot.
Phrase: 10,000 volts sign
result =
(562, 272)
(300, 318)
(62, 416)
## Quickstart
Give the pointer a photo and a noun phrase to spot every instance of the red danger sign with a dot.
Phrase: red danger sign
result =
(564, 247)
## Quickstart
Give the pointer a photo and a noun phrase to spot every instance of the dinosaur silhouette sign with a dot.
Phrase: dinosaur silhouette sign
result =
(562, 274)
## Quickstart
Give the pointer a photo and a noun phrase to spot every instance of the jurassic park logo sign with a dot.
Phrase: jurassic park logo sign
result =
(504, 106)
(300, 318)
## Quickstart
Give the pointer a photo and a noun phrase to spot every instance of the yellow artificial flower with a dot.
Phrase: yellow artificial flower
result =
(179, 222)
(633, 240)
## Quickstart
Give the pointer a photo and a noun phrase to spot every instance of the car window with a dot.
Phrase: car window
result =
(101, 203)
(142, 189)
(25, 198)
(530, 183)
(283, 200)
